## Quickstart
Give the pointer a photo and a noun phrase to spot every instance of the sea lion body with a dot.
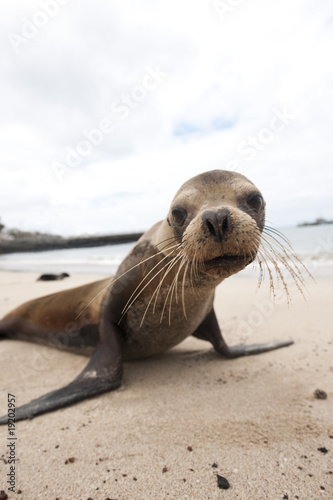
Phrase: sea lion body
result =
(60, 312)
(57, 313)
(162, 293)
(52, 277)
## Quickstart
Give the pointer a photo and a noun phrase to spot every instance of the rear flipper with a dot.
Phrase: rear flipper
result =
(102, 374)
(210, 330)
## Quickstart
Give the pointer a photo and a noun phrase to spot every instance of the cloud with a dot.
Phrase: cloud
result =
(226, 77)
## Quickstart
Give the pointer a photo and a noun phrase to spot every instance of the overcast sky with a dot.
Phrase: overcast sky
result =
(107, 107)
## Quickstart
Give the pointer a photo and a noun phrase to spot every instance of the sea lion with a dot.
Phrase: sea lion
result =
(52, 277)
(163, 291)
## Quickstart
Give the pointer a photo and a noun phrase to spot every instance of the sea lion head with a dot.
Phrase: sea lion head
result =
(217, 219)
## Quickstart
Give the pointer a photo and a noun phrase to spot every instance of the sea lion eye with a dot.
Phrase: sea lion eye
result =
(256, 202)
(179, 216)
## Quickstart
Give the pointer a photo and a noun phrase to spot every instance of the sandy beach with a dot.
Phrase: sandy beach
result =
(184, 417)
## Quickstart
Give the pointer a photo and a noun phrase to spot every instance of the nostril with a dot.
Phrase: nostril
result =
(225, 225)
(217, 223)
(211, 227)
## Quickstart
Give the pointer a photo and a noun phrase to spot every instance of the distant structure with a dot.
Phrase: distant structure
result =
(318, 222)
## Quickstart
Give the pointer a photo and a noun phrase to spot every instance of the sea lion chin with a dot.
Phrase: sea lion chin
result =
(163, 290)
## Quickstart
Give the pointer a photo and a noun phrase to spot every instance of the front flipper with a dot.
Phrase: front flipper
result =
(210, 330)
(102, 374)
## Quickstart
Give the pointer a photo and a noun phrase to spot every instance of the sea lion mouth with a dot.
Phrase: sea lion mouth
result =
(229, 259)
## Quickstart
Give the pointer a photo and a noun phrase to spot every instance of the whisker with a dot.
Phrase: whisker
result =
(271, 279)
(278, 233)
(286, 256)
(169, 266)
(275, 251)
(174, 287)
(169, 291)
(131, 302)
(161, 282)
(146, 276)
(113, 280)
(183, 290)
(291, 255)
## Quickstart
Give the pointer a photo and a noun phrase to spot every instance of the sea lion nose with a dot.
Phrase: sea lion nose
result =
(217, 223)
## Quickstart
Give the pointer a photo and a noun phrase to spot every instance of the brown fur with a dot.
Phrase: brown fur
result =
(163, 291)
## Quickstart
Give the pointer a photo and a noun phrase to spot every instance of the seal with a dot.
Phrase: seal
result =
(162, 292)
(52, 277)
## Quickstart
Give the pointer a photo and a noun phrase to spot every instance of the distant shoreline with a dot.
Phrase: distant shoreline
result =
(317, 222)
(55, 243)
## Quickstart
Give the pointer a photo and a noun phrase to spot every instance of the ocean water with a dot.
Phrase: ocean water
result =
(312, 244)
(102, 260)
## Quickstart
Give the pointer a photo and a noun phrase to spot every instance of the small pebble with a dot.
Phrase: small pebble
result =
(323, 449)
(222, 482)
(319, 394)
